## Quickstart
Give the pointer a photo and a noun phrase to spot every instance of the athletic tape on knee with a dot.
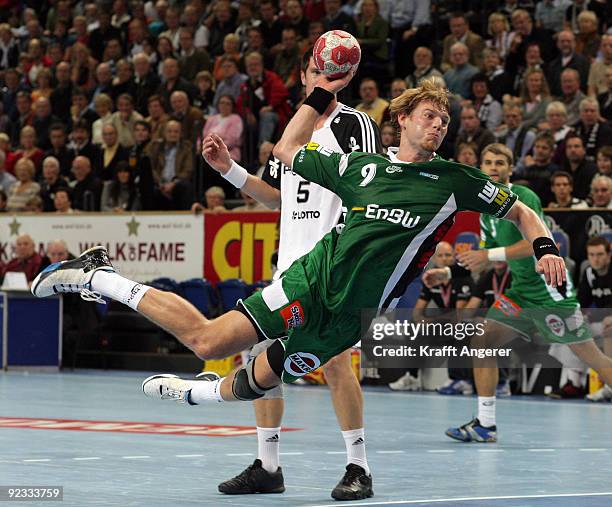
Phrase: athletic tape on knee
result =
(244, 386)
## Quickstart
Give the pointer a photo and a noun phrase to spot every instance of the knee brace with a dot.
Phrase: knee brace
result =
(244, 386)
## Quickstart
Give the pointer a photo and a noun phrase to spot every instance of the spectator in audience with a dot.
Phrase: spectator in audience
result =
(80, 108)
(172, 21)
(112, 152)
(458, 77)
(83, 67)
(140, 164)
(221, 24)
(372, 33)
(191, 59)
(466, 154)
(28, 148)
(173, 82)
(104, 80)
(13, 84)
(5, 147)
(120, 193)
(34, 205)
(489, 110)
(61, 97)
(263, 115)
(533, 60)
(294, 17)
(550, 14)
(255, 42)
(137, 34)
(535, 97)
(25, 188)
(164, 51)
(51, 182)
(102, 34)
(157, 116)
(191, 118)
(122, 83)
(191, 19)
(245, 20)
(215, 199)
(472, 132)
(44, 85)
(498, 29)
(605, 99)
(57, 251)
(371, 103)
(7, 180)
(124, 119)
(516, 137)
(604, 160)
(62, 202)
(398, 86)
(410, 23)
(539, 167)
(86, 187)
(460, 32)
(43, 119)
(23, 118)
(144, 83)
(9, 47)
(568, 59)
(172, 163)
(525, 35)
(572, 95)
(594, 133)
(562, 185)
(121, 17)
(581, 169)
(206, 93)
(336, 19)
(271, 26)
(103, 106)
(231, 48)
(500, 82)
(598, 82)
(588, 40)
(59, 150)
(388, 135)
(228, 125)
(26, 259)
(601, 191)
(80, 143)
(287, 62)
(231, 82)
(424, 68)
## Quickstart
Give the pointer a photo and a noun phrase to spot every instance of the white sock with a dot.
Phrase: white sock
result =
(268, 447)
(204, 391)
(354, 440)
(114, 286)
(486, 410)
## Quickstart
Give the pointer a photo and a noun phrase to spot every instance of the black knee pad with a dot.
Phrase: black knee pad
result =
(244, 386)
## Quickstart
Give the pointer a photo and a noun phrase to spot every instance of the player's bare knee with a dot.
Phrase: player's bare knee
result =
(337, 370)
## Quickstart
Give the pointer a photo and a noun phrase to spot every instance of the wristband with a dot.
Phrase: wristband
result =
(319, 99)
(544, 245)
(237, 175)
(497, 254)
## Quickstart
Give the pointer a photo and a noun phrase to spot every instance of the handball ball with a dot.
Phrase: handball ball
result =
(335, 53)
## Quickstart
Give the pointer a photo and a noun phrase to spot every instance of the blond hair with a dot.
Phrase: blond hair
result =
(429, 90)
(498, 149)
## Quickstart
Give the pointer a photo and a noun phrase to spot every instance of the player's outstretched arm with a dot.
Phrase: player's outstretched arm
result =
(477, 260)
(535, 231)
(217, 155)
(299, 130)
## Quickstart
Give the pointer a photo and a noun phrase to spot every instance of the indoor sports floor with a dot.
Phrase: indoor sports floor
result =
(551, 453)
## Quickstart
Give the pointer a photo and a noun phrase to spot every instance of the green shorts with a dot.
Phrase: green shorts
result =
(557, 322)
(291, 310)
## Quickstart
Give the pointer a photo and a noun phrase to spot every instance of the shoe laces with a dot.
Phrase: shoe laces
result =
(92, 295)
(353, 472)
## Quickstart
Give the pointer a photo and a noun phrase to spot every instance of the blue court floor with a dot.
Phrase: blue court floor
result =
(551, 453)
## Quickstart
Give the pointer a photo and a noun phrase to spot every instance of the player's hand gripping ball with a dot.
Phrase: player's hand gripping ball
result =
(336, 53)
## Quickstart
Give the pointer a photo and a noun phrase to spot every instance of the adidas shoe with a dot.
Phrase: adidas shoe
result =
(473, 432)
(355, 485)
(453, 387)
(406, 383)
(603, 394)
(254, 479)
(171, 387)
(74, 275)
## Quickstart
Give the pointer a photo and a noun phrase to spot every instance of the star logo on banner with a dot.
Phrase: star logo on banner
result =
(14, 225)
(132, 226)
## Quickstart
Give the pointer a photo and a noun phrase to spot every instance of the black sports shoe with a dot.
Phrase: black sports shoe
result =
(355, 485)
(254, 479)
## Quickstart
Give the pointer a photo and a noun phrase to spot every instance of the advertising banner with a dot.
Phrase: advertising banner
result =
(142, 246)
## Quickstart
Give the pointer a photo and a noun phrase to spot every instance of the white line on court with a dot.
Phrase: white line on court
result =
(491, 450)
(541, 450)
(390, 452)
(89, 458)
(135, 457)
(440, 451)
(335, 452)
(41, 460)
(471, 499)
(598, 449)
(291, 453)
(188, 455)
(239, 454)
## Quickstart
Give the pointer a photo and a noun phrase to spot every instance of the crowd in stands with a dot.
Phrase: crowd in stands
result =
(109, 100)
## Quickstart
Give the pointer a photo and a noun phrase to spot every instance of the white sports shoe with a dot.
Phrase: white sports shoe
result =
(604, 394)
(406, 383)
(167, 386)
(74, 275)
